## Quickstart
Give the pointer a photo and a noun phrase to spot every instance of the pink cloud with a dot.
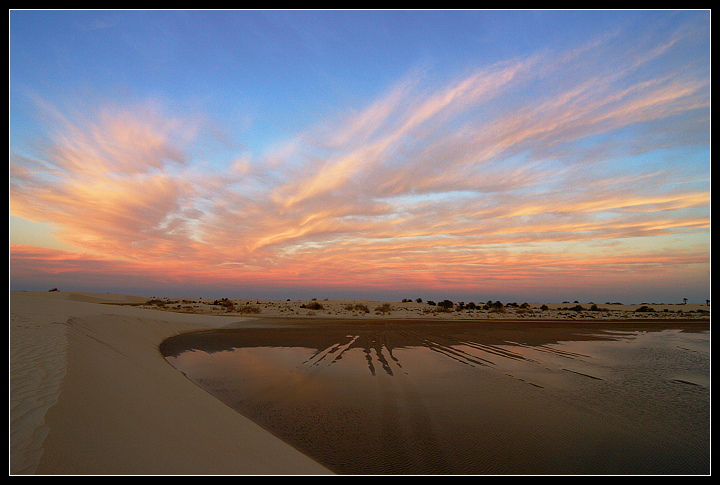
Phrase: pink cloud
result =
(422, 186)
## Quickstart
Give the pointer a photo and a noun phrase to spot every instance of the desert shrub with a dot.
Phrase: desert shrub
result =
(645, 308)
(384, 308)
(446, 304)
(314, 305)
(248, 309)
(595, 308)
(224, 302)
(358, 307)
(497, 307)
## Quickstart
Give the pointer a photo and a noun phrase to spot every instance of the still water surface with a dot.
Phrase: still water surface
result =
(419, 398)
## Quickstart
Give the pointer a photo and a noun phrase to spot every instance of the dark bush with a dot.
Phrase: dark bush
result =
(645, 308)
(314, 305)
(248, 309)
(384, 308)
(446, 304)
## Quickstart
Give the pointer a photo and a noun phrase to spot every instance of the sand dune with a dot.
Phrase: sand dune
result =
(91, 393)
(367, 309)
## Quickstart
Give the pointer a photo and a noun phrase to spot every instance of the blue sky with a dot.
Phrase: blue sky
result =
(274, 72)
(525, 152)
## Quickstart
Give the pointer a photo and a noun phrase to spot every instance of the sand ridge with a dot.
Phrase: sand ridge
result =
(91, 394)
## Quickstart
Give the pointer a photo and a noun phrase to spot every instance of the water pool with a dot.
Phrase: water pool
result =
(444, 398)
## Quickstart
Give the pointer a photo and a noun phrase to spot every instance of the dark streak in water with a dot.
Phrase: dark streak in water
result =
(686, 382)
(584, 375)
(550, 350)
(455, 354)
(378, 345)
(374, 344)
(320, 355)
(494, 350)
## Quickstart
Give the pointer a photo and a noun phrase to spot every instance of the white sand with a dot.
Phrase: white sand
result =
(91, 394)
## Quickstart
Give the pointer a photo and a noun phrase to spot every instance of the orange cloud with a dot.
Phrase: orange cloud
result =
(428, 187)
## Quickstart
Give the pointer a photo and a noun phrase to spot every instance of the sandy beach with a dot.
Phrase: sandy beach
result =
(92, 394)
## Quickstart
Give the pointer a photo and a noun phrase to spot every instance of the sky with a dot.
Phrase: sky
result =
(468, 155)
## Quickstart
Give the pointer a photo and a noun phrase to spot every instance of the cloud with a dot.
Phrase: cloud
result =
(425, 177)
(112, 184)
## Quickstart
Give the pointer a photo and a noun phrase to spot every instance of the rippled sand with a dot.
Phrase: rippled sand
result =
(471, 398)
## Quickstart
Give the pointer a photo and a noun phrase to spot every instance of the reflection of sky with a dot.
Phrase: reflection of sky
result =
(254, 368)
(369, 402)
(372, 152)
(546, 356)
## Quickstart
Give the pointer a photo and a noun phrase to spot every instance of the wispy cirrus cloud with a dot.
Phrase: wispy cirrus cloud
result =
(531, 152)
